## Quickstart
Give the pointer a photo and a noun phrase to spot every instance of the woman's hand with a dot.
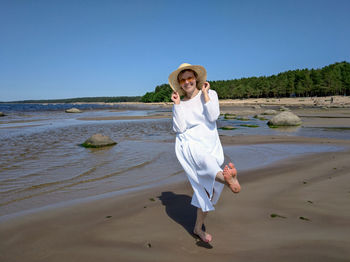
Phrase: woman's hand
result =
(175, 97)
(205, 90)
(205, 87)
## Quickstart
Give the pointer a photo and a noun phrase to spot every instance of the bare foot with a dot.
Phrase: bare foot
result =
(230, 175)
(203, 235)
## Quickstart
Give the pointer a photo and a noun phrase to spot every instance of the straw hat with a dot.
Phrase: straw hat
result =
(201, 76)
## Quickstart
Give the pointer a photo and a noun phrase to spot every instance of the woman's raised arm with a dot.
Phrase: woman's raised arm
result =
(211, 107)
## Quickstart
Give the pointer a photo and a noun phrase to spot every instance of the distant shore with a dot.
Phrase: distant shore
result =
(332, 101)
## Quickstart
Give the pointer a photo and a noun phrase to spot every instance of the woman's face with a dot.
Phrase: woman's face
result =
(188, 82)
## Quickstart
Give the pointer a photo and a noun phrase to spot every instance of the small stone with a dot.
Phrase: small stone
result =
(260, 117)
(2, 114)
(228, 128)
(283, 108)
(270, 112)
(98, 140)
(304, 218)
(242, 118)
(73, 110)
(229, 116)
(276, 215)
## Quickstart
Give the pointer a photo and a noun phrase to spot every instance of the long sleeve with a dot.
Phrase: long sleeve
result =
(179, 124)
(211, 108)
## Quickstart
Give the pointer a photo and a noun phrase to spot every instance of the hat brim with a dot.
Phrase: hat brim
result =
(201, 77)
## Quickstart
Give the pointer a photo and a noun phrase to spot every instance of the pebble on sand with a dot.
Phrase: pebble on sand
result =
(73, 110)
(285, 118)
(276, 215)
(98, 140)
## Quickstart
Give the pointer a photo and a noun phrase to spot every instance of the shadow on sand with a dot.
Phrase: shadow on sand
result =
(179, 208)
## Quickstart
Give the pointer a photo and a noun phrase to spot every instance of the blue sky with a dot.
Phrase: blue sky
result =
(65, 49)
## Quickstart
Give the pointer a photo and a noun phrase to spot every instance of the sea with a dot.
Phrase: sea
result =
(42, 162)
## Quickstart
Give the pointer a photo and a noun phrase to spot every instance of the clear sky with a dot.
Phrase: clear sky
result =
(68, 48)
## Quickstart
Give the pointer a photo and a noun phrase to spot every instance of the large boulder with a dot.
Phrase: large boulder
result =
(73, 110)
(2, 114)
(98, 140)
(285, 118)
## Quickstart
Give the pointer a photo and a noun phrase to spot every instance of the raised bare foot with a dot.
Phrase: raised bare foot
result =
(230, 175)
(203, 235)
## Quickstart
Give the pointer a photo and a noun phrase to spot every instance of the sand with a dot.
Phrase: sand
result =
(293, 210)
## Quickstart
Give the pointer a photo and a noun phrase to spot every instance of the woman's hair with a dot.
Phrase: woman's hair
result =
(195, 75)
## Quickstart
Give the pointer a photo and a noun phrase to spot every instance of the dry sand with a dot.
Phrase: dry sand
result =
(331, 101)
(155, 224)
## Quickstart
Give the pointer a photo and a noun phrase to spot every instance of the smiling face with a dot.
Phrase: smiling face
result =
(188, 81)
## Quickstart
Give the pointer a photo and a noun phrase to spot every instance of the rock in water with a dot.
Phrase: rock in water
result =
(98, 140)
(230, 116)
(228, 128)
(2, 114)
(285, 119)
(73, 110)
(283, 108)
(270, 112)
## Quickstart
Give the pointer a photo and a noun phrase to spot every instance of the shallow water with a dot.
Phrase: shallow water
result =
(42, 163)
(264, 129)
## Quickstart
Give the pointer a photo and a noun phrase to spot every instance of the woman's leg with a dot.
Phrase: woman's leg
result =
(198, 226)
(229, 178)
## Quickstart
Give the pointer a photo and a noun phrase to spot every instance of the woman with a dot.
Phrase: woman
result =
(198, 147)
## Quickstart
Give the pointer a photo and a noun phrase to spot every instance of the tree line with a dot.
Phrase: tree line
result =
(333, 79)
(330, 80)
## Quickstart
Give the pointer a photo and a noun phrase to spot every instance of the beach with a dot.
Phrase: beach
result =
(294, 203)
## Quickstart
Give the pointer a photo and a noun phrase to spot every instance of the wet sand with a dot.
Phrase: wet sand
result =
(308, 198)
(155, 116)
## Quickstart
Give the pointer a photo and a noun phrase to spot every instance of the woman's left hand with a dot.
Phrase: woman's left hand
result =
(205, 87)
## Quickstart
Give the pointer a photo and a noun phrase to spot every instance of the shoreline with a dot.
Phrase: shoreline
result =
(227, 141)
(155, 223)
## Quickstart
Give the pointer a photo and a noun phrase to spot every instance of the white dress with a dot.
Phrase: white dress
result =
(198, 147)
